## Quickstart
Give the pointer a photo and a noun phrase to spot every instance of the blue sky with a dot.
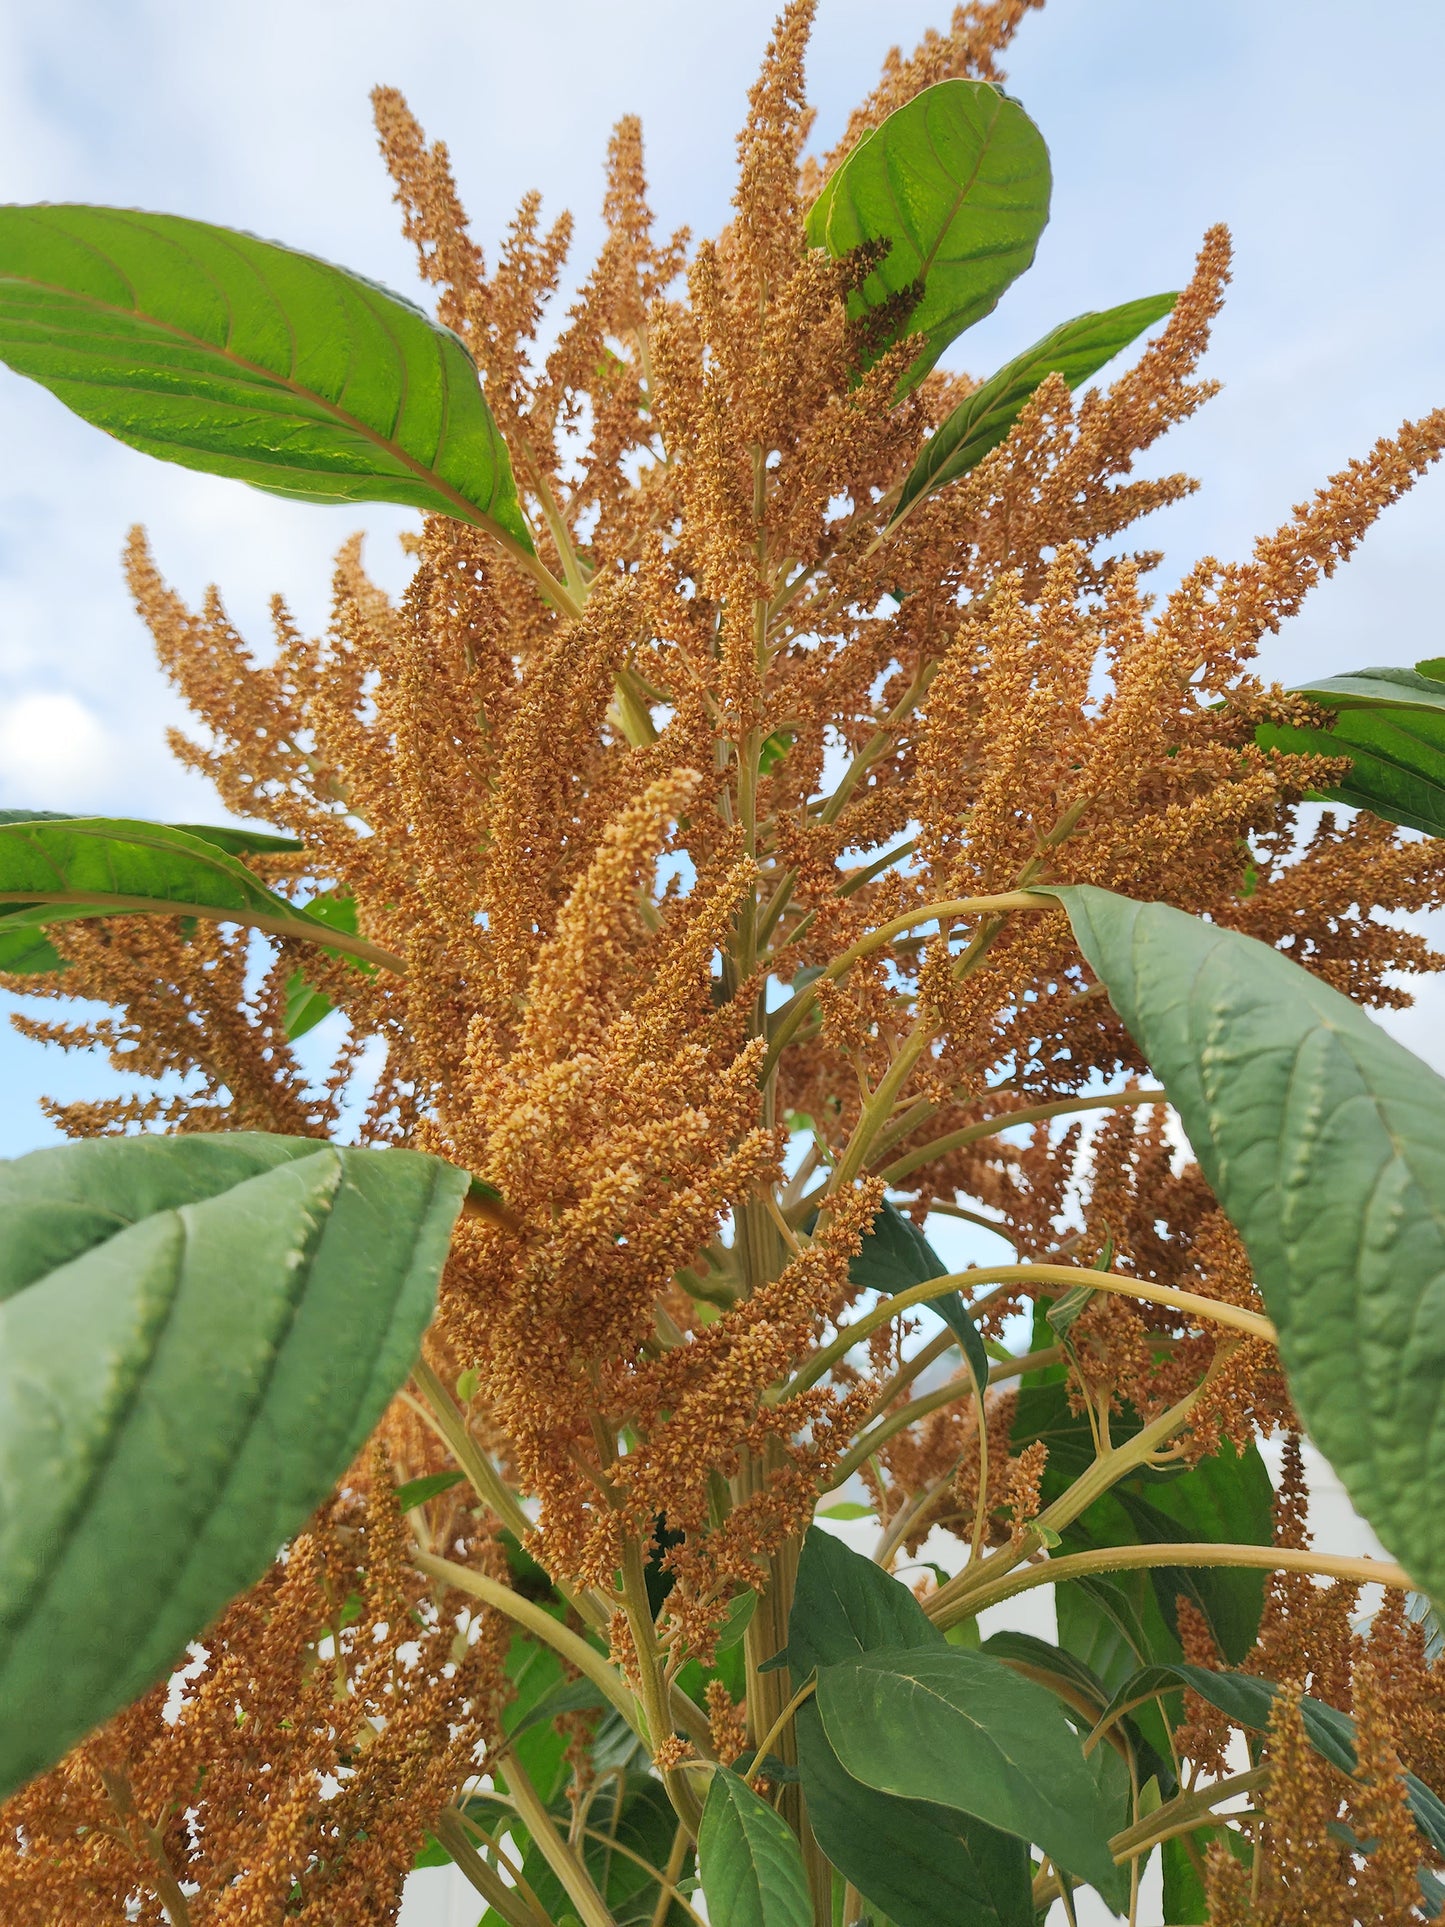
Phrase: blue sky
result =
(1318, 140)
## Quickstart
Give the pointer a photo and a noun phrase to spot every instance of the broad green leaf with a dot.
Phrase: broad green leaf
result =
(844, 1606)
(957, 182)
(223, 835)
(894, 1255)
(208, 347)
(739, 1618)
(1076, 349)
(196, 1336)
(1185, 1901)
(1391, 723)
(963, 1730)
(57, 869)
(956, 1867)
(1065, 1674)
(1247, 1701)
(922, 1864)
(1324, 1141)
(750, 1860)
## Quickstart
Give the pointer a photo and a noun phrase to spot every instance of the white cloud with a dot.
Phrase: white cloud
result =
(55, 753)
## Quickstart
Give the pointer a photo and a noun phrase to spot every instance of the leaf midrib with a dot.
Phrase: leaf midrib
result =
(470, 511)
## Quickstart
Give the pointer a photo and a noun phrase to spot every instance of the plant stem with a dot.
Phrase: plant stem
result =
(1210, 1309)
(508, 1902)
(1183, 1815)
(1079, 1565)
(1005, 1121)
(650, 1679)
(150, 1847)
(765, 1744)
(568, 1866)
(786, 1021)
(525, 1612)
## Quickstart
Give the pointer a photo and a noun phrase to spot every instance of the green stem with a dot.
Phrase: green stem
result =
(1183, 1815)
(507, 1901)
(1080, 1565)
(1189, 1302)
(786, 1021)
(568, 1866)
(526, 1613)
(1005, 1121)
(650, 1679)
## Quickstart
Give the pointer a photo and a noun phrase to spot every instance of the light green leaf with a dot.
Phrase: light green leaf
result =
(962, 1730)
(848, 1509)
(211, 348)
(957, 182)
(305, 1005)
(196, 1336)
(1324, 1141)
(1076, 349)
(1391, 723)
(56, 869)
(751, 1864)
(739, 1618)
(417, 1491)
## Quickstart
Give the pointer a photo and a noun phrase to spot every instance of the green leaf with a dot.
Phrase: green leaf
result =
(1075, 349)
(844, 1606)
(56, 869)
(956, 1867)
(1324, 1141)
(894, 1255)
(567, 1696)
(417, 1491)
(963, 1730)
(305, 1005)
(1247, 1701)
(196, 1336)
(1185, 1901)
(739, 1618)
(751, 1863)
(957, 182)
(1391, 723)
(210, 348)
(1065, 1674)
(849, 1509)
(920, 1863)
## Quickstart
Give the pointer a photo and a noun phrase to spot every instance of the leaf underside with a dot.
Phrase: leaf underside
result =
(1391, 724)
(196, 1336)
(1324, 1141)
(206, 346)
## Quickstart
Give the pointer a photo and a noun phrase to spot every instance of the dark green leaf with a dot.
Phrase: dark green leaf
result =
(1391, 723)
(1080, 1688)
(198, 1334)
(960, 1729)
(1247, 1701)
(1076, 349)
(844, 1606)
(750, 1860)
(1185, 1901)
(232, 355)
(895, 1255)
(567, 1696)
(920, 1863)
(417, 1491)
(53, 870)
(957, 183)
(1324, 1141)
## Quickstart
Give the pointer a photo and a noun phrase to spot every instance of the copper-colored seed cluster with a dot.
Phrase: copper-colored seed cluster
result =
(606, 845)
